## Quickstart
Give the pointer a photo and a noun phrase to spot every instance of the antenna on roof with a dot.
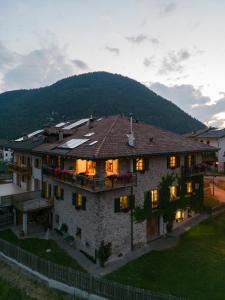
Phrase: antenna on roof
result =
(131, 134)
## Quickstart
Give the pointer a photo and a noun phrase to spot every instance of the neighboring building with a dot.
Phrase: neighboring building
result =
(6, 154)
(213, 137)
(96, 173)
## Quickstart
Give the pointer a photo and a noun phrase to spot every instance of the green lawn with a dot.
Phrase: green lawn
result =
(195, 268)
(8, 292)
(39, 246)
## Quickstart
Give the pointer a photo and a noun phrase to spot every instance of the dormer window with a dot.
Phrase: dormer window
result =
(140, 164)
(173, 161)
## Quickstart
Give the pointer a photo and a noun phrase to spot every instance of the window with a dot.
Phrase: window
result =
(140, 164)
(23, 178)
(79, 201)
(154, 198)
(189, 187)
(58, 192)
(112, 166)
(37, 184)
(124, 202)
(37, 163)
(78, 232)
(173, 192)
(57, 219)
(179, 215)
(172, 162)
(189, 161)
(87, 167)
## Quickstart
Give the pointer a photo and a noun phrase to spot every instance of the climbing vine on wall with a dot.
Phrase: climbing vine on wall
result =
(168, 207)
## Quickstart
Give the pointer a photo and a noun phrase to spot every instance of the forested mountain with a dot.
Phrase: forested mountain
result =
(99, 94)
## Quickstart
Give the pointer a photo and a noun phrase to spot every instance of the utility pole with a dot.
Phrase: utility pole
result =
(132, 222)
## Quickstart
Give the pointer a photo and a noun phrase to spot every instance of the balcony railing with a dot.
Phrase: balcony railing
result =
(23, 169)
(92, 183)
(194, 170)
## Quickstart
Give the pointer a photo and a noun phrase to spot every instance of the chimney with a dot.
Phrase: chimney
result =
(130, 136)
(60, 135)
(90, 120)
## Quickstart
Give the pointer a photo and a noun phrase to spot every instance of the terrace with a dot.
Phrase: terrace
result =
(22, 169)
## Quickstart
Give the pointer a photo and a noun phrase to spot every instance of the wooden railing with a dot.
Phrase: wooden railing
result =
(92, 183)
(23, 169)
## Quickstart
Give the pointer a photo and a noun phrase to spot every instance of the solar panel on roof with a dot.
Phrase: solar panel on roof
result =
(30, 135)
(73, 143)
(92, 143)
(61, 124)
(75, 124)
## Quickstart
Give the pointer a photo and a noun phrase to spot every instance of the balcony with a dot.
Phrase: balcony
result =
(22, 169)
(192, 171)
(92, 183)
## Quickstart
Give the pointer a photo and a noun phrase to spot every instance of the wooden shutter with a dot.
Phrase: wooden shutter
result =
(62, 163)
(74, 195)
(134, 165)
(168, 162)
(147, 200)
(49, 190)
(55, 191)
(193, 160)
(117, 205)
(177, 161)
(62, 194)
(83, 203)
(131, 201)
(146, 164)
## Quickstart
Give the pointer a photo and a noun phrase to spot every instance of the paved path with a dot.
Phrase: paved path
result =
(218, 193)
(159, 244)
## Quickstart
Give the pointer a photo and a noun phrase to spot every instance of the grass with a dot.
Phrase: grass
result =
(39, 246)
(8, 292)
(195, 268)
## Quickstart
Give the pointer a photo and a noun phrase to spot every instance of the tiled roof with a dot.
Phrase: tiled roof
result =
(213, 133)
(112, 141)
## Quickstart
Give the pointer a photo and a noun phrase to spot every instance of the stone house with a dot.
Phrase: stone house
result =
(99, 171)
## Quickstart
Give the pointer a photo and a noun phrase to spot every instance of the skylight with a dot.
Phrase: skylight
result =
(92, 143)
(30, 135)
(89, 134)
(73, 143)
(75, 124)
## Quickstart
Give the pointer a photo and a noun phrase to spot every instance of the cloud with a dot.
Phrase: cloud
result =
(80, 64)
(40, 67)
(149, 61)
(113, 50)
(140, 38)
(173, 61)
(192, 100)
(167, 8)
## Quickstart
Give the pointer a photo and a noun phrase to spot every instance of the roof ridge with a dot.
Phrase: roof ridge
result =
(108, 132)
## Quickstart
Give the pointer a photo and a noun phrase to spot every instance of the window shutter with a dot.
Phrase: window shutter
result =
(134, 166)
(132, 201)
(193, 160)
(147, 200)
(117, 205)
(55, 191)
(74, 195)
(62, 194)
(178, 161)
(83, 203)
(62, 163)
(168, 162)
(146, 164)
(49, 190)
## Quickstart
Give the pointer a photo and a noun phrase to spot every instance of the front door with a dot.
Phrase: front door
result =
(152, 228)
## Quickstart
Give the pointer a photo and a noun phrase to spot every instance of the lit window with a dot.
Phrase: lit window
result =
(140, 164)
(112, 166)
(78, 201)
(179, 215)
(189, 187)
(154, 198)
(123, 202)
(87, 167)
(57, 192)
(173, 192)
(189, 161)
(172, 162)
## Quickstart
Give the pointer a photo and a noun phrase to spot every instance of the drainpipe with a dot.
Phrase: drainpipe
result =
(131, 224)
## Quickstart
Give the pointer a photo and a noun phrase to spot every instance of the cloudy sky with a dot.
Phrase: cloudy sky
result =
(175, 47)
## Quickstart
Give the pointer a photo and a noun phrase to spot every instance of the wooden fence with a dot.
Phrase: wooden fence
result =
(79, 280)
